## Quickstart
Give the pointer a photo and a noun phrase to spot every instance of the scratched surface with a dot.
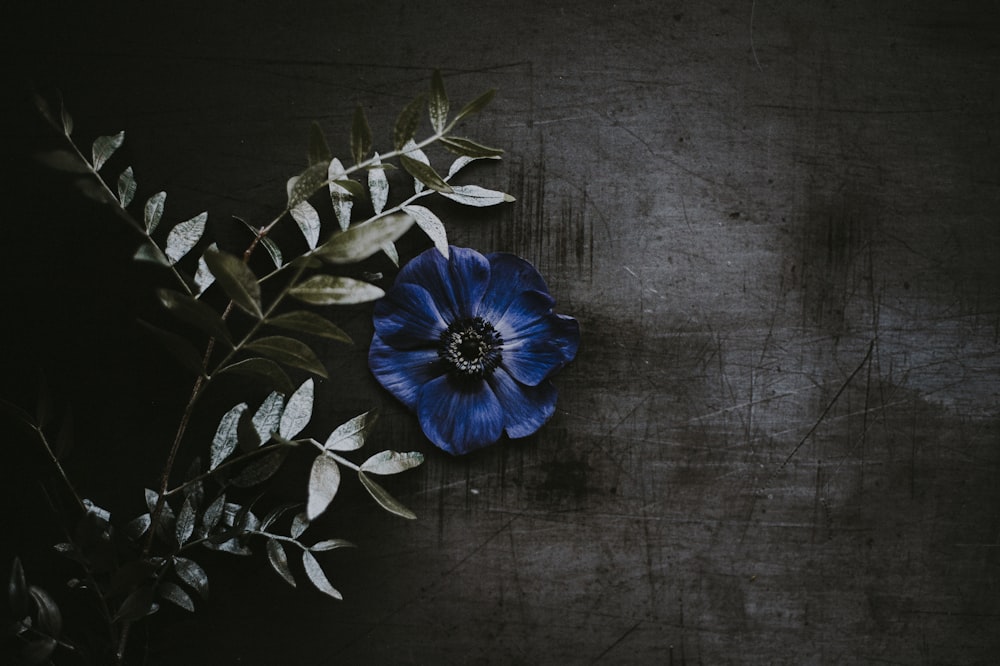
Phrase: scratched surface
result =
(777, 225)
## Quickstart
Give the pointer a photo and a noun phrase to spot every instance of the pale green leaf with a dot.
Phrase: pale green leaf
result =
(351, 435)
(462, 162)
(184, 527)
(363, 240)
(316, 575)
(194, 312)
(104, 147)
(319, 150)
(307, 218)
(330, 544)
(226, 439)
(176, 595)
(378, 186)
(301, 187)
(299, 524)
(236, 278)
(298, 411)
(431, 225)
(473, 195)
(339, 196)
(406, 122)
(126, 187)
(203, 277)
(266, 421)
(335, 290)
(290, 352)
(264, 368)
(469, 148)
(382, 496)
(324, 480)
(476, 105)
(279, 560)
(438, 103)
(153, 211)
(192, 574)
(392, 462)
(424, 173)
(361, 135)
(309, 322)
(411, 151)
(183, 237)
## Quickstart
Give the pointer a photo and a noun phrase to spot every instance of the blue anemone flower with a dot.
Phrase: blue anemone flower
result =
(469, 343)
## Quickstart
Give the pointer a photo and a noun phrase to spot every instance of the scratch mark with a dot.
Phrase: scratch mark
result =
(753, 50)
(625, 635)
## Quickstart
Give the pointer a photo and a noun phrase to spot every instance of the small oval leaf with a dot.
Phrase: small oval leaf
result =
(431, 225)
(180, 348)
(330, 544)
(378, 186)
(104, 147)
(225, 440)
(261, 469)
(324, 480)
(266, 421)
(305, 184)
(297, 411)
(308, 220)
(392, 462)
(192, 574)
(126, 187)
(176, 595)
(476, 105)
(316, 575)
(319, 149)
(279, 560)
(183, 237)
(351, 435)
(153, 211)
(340, 196)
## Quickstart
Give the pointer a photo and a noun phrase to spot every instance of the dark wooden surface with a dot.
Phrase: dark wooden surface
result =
(777, 225)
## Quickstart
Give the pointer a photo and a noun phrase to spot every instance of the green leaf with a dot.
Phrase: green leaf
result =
(392, 462)
(340, 197)
(195, 312)
(406, 122)
(267, 418)
(309, 322)
(261, 469)
(104, 147)
(301, 187)
(17, 590)
(363, 240)
(236, 278)
(316, 575)
(279, 560)
(176, 595)
(261, 367)
(335, 290)
(153, 211)
(424, 173)
(225, 440)
(473, 195)
(469, 148)
(476, 105)
(431, 225)
(192, 574)
(382, 496)
(361, 135)
(378, 186)
(186, 519)
(350, 436)
(438, 104)
(324, 480)
(63, 160)
(298, 411)
(126, 187)
(330, 544)
(290, 352)
(48, 614)
(307, 218)
(180, 348)
(319, 149)
(183, 237)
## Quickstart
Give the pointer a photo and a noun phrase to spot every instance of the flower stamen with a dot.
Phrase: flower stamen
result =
(471, 348)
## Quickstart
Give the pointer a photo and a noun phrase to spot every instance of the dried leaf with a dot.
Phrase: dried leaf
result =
(351, 435)
(279, 560)
(431, 225)
(290, 352)
(316, 575)
(382, 496)
(226, 439)
(392, 462)
(309, 322)
(363, 240)
(183, 237)
(236, 278)
(324, 480)
(297, 411)
(104, 147)
(335, 290)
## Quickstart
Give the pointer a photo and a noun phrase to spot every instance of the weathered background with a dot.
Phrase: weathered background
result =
(776, 223)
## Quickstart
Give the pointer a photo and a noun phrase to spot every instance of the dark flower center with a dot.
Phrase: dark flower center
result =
(471, 348)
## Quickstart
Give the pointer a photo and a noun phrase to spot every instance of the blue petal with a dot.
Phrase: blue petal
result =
(510, 276)
(407, 317)
(540, 346)
(525, 408)
(459, 417)
(403, 372)
(456, 284)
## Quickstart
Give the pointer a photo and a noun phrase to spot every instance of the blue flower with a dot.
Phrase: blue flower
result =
(469, 343)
